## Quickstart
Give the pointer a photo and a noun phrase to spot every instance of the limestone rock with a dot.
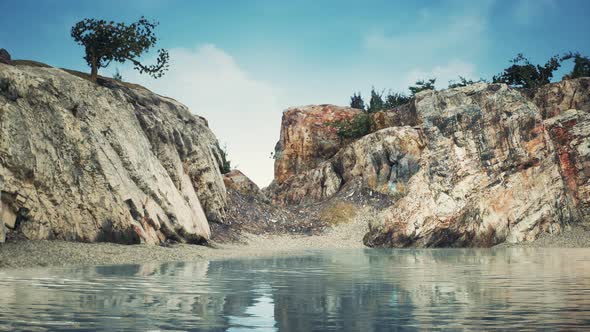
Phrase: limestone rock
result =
(383, 161)
(83, 162)
(236, 180)
(488, 174)
(570, 132)
(306, 138)
(552, 99)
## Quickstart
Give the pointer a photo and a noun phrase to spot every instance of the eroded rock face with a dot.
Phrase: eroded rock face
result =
(306, 138)
(82, 162)
(552, 99)
(236, 180)
(483, 166)
(570, 132)
(384, 161)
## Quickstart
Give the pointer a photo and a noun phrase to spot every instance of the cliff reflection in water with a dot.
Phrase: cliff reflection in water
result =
(360, 290)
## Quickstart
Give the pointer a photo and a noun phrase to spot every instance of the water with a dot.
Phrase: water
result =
(344, 290)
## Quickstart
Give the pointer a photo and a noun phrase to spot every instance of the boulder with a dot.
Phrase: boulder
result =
(83, 162)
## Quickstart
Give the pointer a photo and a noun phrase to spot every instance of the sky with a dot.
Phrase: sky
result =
(241, 63)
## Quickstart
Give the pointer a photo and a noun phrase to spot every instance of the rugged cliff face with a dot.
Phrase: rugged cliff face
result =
(84, 162)
(471, 166)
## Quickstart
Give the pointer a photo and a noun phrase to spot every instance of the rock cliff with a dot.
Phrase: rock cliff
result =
(85, 162)
(471, 166)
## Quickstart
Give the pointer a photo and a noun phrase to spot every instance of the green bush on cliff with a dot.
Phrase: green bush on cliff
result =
(225, 166)
(357, 127)
(581, 65)
(422, 85)
(395, 99)
(356, 101)
(463, 82)
(523, 74)
(376, 103)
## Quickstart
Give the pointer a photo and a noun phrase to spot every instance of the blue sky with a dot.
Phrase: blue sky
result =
(240, 63)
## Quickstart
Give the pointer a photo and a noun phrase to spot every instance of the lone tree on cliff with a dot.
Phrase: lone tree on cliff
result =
(109, 41)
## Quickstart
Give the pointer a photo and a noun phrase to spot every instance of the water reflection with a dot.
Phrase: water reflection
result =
(345, 290)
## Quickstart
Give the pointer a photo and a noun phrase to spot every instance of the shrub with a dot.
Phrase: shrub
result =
(225, 166)
(376, 103)
(356, 101)
(422, 85)
(395, 99)
(357, 127)
(581, 65)
(117, 75)
(463, 82)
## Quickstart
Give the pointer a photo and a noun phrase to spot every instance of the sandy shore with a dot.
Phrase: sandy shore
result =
(26, 254)
(57, 253)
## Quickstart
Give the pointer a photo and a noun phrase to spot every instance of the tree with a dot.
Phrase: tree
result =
(356, 101)
(422, 86)
(523, 74)
(581, 65)
(109, 41)
(376, 103)
(395, 99)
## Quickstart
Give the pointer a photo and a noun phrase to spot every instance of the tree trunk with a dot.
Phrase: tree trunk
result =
(94, 70)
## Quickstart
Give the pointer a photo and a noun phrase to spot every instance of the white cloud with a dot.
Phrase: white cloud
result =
(243, 112)
(443, 74)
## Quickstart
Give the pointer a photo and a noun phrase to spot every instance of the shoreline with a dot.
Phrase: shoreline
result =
(38, 254)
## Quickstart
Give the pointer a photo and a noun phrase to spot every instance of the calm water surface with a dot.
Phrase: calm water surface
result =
(343, 290)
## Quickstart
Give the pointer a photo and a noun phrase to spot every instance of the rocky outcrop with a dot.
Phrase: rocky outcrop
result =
(236, 180)
(570, 132)
(307, 139)
(384, 161)
(552, 99)
(84, 162)
(479, 165)
(488, 174)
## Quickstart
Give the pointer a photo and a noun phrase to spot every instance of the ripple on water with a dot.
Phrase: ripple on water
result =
(340, 290)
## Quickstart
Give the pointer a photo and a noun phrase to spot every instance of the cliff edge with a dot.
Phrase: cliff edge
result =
(116, 163)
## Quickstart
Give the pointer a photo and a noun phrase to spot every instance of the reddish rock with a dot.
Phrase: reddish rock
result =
(306, 138)
(570, 132)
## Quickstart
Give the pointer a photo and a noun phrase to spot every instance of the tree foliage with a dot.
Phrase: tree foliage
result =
(225, 166)
(106, 41)
(395, 99)
(357, 127)
(463, 82)
(422, 85)
(356, 101)
(376, 103)
(523, 74)
(581, 65)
